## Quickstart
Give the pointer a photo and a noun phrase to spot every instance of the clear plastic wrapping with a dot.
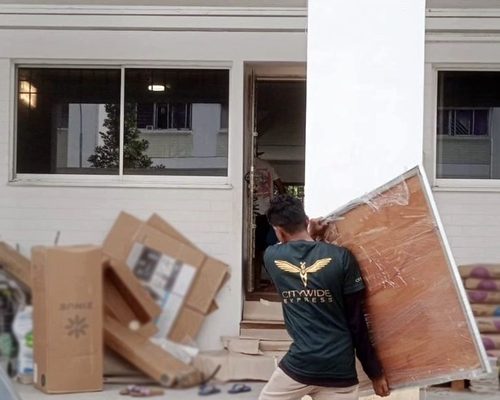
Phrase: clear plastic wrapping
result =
(417, 310)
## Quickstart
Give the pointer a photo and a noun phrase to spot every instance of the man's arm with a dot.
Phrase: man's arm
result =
(354, 307)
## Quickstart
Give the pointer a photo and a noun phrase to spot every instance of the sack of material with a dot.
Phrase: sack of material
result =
(491, 341)
(488, 324)
(486, 310)
(482, 284)
(481, 271)
(483, 296)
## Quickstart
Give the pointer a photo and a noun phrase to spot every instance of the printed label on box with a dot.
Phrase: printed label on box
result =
(167, 279)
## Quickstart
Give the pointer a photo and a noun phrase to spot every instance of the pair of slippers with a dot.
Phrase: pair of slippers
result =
(209, 389)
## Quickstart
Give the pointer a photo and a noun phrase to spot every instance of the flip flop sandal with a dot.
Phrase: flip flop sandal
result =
(207, 390)
(239, 388)
(146, 392)
(138, 391)
(128, 390)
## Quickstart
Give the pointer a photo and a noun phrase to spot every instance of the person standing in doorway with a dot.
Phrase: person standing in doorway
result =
(266, 181)
(322, 294)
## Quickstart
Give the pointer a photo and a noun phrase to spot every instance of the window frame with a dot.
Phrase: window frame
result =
(431, 136)
(120, 179)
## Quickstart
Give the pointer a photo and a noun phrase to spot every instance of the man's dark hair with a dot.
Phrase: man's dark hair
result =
(287, 212)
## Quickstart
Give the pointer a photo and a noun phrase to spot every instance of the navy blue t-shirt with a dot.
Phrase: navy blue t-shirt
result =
(312, 279)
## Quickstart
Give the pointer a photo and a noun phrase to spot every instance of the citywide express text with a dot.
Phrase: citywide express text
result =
(307, 295)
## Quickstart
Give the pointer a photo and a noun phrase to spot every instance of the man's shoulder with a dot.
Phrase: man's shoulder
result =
(272, 251)
(333, 248)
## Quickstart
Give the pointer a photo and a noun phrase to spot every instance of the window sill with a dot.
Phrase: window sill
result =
(163, 132)
(466, 185)
(107, 181)
(463, 137)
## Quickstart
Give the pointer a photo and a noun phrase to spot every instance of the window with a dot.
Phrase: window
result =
(178, 115)
(463, 121)
(468, 125)
(63, 114)
(174, 121)
(158, 116)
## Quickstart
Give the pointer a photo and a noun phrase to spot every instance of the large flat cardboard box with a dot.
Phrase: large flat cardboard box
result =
(191, 278)
(68, 319)
(421, 321)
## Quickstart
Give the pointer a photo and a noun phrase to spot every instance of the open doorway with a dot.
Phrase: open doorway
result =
(275, 159)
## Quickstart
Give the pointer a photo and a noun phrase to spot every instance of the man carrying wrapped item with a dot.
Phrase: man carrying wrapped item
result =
(322, 295)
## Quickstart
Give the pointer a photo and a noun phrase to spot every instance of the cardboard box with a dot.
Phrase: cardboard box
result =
(164, 259)
(68, 319)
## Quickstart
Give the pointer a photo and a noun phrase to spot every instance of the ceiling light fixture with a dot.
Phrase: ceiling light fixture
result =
(156, 88)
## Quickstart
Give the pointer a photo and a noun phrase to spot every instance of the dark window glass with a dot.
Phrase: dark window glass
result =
(176, 121)
(468, 125)
(68, 120)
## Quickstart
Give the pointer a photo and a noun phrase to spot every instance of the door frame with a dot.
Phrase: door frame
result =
(286, 71)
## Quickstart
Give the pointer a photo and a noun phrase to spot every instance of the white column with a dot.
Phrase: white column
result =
(365, 79)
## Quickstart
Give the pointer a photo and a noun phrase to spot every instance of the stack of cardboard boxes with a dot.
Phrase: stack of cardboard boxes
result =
(146, 284)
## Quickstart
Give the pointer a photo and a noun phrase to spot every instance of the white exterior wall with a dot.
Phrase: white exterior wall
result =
(364, 97)
(211, 216)
(472, 224)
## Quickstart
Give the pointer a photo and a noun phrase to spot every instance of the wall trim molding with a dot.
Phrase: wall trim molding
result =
(158, 18)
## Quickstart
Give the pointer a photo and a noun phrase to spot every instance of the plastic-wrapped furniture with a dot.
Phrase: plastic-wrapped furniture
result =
(418, 313)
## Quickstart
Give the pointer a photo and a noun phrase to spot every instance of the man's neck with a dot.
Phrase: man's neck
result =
(302, 235)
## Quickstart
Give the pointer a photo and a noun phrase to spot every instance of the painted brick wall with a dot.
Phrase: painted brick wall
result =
(210, 218)
(472, 224)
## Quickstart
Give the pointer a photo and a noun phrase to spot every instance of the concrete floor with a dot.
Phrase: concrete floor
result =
(111, 392)
(441, 393)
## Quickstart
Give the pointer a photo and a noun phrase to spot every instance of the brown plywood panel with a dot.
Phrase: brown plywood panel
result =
(417, 310)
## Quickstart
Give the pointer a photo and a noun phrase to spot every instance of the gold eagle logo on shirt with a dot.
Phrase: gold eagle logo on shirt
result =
(302, 270)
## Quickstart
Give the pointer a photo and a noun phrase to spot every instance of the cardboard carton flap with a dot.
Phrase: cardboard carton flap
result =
(117, 242)
(15, 264)
(207, 284)
(126, 290)
(155, 239)
(187, 326)
(160, 224)
(148, 357)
